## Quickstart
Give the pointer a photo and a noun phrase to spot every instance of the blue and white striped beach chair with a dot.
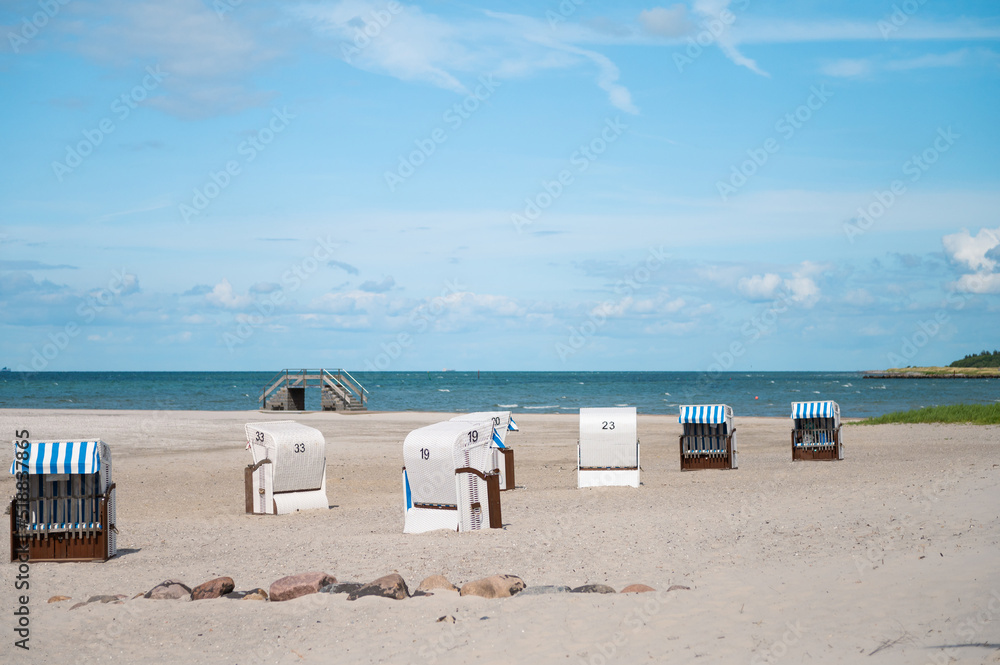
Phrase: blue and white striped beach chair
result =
(816, 431)
(64, 509)
(708, 440)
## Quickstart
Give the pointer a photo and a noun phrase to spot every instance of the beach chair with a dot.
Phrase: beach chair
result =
(289, 468)
(709, 438)
(503, 454)
(608, 449)
(816, 431)
(449, 481)
(64, 509)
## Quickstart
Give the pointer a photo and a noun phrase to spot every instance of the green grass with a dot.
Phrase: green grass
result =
(977, 414)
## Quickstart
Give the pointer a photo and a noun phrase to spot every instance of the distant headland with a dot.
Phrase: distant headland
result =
(985, 365)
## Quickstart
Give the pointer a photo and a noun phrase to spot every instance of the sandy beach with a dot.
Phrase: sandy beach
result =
(889, 556)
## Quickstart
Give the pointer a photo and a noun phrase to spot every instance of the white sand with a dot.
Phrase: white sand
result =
(896, 546)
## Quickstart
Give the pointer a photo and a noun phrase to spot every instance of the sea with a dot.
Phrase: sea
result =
(749, 393)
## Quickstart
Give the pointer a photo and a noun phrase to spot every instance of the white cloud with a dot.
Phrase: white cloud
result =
(415, 45)
(710, 10)
(799, 288)
(207, 61)
(971, 250)
(223, 295)
(759, 287)
(978, 253)
(666, 21)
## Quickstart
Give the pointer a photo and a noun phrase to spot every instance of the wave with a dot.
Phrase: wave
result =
(443, 390)
(552, 406)
(507, 406)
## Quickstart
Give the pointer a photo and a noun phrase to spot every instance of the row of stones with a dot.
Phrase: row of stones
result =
(389, 586)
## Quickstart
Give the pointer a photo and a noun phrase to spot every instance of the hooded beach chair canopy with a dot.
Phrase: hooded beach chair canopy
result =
(56, 457)
(289, 466)
(502, 423)
(608, 452)
(827, 409)
(714, 414)
(436, 497)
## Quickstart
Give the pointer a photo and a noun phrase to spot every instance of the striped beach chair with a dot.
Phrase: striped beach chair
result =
(708, 440)
(449, 481)
(503, 454)
(289, 468)
(64, 508)
(816, 431)
(607, 453)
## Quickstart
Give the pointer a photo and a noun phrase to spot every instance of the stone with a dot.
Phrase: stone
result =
(342, 587)
(77, 605)
(637, 588)
(543, 590)
(496, 586)
(679, 587)
(302, 584)
(253, 594)
(594, 588)
(106, 599)
(436, 582)
(446, 619)
(216, 588)
(169, 590)
(59, 599)
(389, 586)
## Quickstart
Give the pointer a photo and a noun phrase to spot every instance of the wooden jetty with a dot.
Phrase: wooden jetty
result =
(339, 391)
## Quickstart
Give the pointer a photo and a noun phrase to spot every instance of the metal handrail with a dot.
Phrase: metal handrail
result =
(352, 389)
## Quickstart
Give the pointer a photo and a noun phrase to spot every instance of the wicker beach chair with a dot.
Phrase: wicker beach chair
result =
(64, 509)
(289, 468)
(503, 454)
(816, 431)
(449, 480)
(709, 437)
(608, 449)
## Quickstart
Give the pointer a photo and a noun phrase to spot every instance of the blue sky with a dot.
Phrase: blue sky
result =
(217, 184)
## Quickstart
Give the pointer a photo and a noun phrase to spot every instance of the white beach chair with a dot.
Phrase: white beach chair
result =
(64, 509)
(289, 469)
(709, 437)
(816, 431)
(449, 481)
(503, 454)
(608, 449)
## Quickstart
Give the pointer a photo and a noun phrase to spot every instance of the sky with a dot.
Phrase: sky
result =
(575, 185)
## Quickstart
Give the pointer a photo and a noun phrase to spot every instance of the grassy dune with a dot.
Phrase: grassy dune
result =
(945, 371)
(977, 414)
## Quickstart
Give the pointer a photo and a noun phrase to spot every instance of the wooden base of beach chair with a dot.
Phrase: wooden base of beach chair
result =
(60, 547)
(802, 452)
(700, 461)
(508, 461)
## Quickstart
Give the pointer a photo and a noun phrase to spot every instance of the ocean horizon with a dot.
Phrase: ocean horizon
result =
(652, 392)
